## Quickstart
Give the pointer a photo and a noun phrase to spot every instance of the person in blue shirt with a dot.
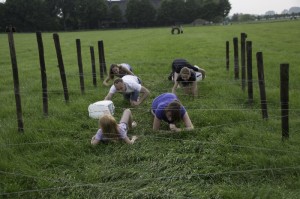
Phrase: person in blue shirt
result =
(167, 107)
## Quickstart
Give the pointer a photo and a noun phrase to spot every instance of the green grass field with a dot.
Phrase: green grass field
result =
(232, 153)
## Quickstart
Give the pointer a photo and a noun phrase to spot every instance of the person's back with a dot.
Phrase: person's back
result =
(180, 63)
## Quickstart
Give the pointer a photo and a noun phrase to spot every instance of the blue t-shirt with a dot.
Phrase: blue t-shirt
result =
(161, 102)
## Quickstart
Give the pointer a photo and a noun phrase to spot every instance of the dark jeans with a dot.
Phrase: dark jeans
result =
(133, 96)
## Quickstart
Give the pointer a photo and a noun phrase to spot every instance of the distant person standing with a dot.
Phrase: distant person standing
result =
(131, 88)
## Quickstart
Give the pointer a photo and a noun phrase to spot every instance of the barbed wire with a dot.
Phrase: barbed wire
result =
(126, 182)
(161, 133)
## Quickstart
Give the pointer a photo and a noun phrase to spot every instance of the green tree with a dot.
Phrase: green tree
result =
(172, 11)
(116, 13)
(90, 13)
(192, 7)
(28, 15)
(67, 14)
(164, 13)
(140, 12)
(147, 13)
(132, 12)
(97, 11)
(225, 7)
(3, 21)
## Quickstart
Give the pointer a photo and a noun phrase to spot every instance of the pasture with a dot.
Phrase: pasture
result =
(232, 153)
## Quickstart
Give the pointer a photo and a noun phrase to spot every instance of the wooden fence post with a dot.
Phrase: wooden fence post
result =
(249, 71)
(14, 64)
(243, 59)
(101, 59)
(79, 60)
(227, 55)
(61, 66)
(261, 82)
(43, 72)
(93, 65)
(236, 58)
(284, 99)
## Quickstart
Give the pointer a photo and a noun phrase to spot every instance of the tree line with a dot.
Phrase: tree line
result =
(53, 15)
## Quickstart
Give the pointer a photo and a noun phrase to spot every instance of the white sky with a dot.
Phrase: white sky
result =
(261, 6)
(258, 6)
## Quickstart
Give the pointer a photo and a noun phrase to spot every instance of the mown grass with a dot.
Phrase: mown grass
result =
(232, 153)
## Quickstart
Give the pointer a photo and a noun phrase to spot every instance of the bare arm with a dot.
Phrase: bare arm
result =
(156, 124)
(128, 72)
(188, 124)
(105, 82)
(128, 141)
(174, 128)
(187, 121)
(174, 87)
(145, 92)
(194, 88)
(94, 141)
(109, 96)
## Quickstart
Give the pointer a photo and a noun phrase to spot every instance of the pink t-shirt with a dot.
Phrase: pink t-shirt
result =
(122, 132)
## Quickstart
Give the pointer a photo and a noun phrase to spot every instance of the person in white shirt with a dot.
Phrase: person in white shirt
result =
(130, 86)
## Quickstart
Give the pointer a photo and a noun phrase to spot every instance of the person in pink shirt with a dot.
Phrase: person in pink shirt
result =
(111, 131)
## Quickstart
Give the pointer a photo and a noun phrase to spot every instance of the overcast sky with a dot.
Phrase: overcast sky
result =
(258, 6)
(261, 6)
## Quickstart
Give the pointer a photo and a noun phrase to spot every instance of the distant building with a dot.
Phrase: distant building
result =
(294, 10)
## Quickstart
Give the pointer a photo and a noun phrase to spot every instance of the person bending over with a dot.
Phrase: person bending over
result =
(130, 86)
(118, 70)
(187, 80)
(178, 64)
(110, 131)
(167, 107)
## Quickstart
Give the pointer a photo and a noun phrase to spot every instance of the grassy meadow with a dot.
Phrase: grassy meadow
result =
(232, 153)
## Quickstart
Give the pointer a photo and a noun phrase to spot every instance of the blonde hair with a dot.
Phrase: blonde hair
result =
(185, 71)
(109, 127)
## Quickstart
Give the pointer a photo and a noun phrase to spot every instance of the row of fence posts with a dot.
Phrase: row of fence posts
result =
(246, 61)
(61, 70)
(245, 47)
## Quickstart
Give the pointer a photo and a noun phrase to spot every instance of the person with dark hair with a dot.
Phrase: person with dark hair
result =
(118, 70)
(168, 108)
(131, 88)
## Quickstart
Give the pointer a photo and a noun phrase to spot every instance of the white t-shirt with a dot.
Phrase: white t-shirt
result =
(131, 82)
(126, 66)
